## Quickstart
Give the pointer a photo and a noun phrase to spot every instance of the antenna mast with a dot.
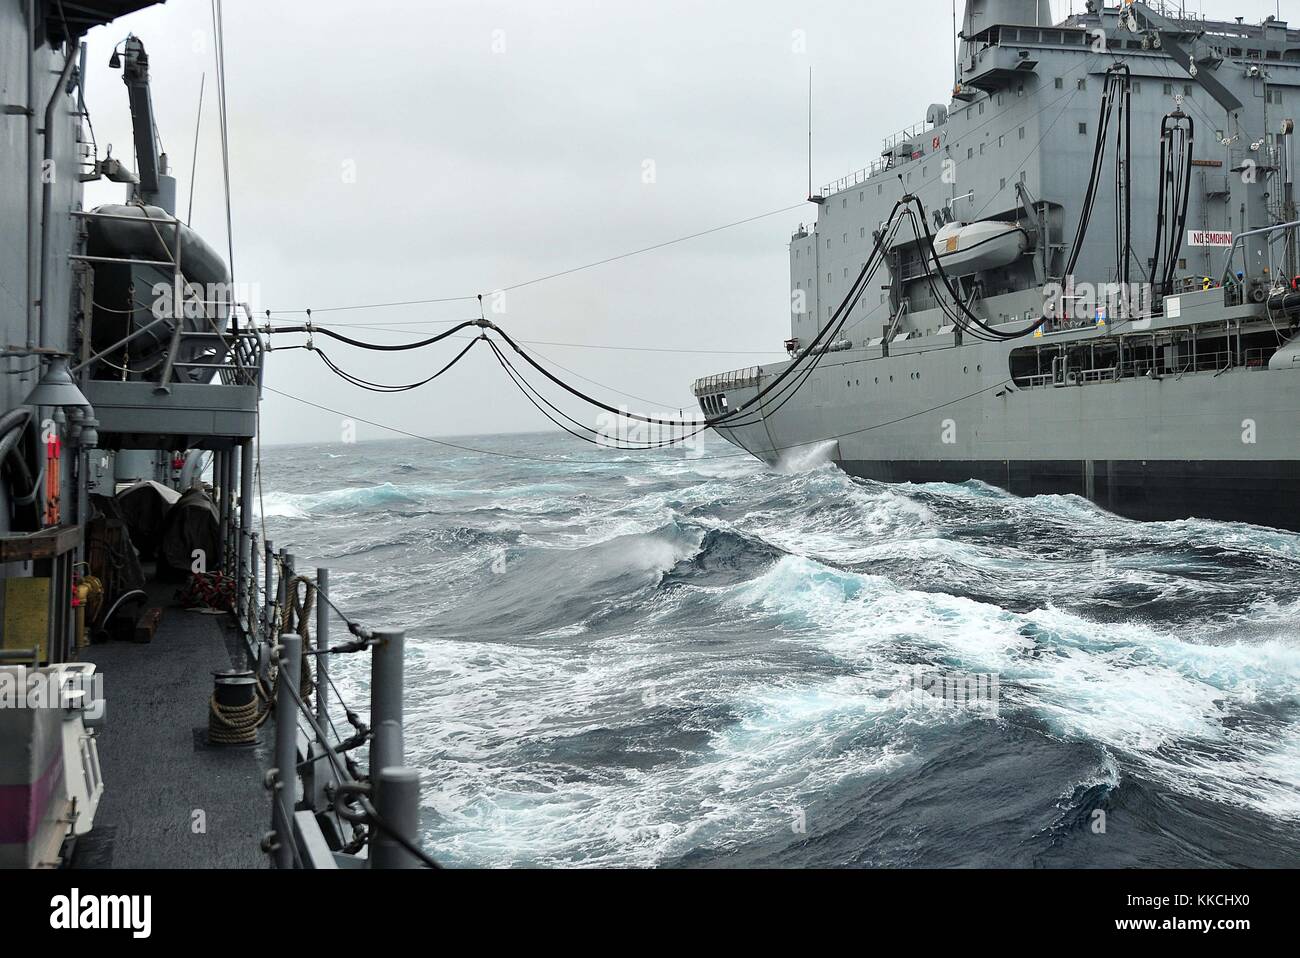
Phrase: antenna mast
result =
(194, 163)
(810, 91)
(956, 56)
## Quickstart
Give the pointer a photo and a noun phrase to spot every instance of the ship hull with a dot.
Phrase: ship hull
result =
(1261, 493)
(1213, 446)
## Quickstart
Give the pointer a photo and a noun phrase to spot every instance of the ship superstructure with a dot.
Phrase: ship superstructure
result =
(128, 425)
(1090, 286)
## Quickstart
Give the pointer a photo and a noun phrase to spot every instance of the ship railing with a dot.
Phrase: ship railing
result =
(326, 811)
(1148, 367)
(858, 177)
(235, 353)
(1271, 235)
(737, 379)
(907, 135)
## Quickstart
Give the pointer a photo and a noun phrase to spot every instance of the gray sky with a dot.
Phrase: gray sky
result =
(391, 151)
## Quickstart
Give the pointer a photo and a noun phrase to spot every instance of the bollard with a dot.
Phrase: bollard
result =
(386, 700)
(322, 643)
(397, 800)
(284, 795)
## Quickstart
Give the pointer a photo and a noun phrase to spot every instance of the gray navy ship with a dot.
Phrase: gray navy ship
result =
(1077, 276)
(146, 630)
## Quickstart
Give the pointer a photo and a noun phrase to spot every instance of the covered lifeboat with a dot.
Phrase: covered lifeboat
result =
(966, 248)
(124, 300)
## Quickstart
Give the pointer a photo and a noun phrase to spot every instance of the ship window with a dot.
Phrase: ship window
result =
(828, 277)
(970, 153)
(981, 107)
(1022, 133)
(981, 149)
(1169, 89)
(1083, 84)
(1182, 264)
(880, 189)
(861, 194)
(1004, 184)
(845, 204)
(1002, 141)
(846, 239)
(1083, 129)
(1060, 83)
(862, 232)
(828, 244)
(1187, 90)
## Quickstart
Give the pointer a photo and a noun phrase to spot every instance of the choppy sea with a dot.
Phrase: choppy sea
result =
(663, 659)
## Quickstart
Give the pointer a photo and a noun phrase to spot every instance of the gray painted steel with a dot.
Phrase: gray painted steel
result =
(386, 746)
(285, 783)
(1015, 144)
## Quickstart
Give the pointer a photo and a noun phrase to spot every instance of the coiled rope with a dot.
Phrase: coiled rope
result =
(237, 725)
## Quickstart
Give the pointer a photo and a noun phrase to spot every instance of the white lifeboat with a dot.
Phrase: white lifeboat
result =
(975, 247)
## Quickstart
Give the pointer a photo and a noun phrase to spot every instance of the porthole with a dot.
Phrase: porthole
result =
(965, 369)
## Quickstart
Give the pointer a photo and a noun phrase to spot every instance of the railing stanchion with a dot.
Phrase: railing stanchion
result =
(397, 800)
(246, 553)
(284, 790)
(251, 608)
(322, 643)
(386, 747)
(281, 592)
(268, 589)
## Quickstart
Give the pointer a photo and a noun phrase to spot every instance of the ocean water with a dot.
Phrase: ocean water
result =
(648, 659)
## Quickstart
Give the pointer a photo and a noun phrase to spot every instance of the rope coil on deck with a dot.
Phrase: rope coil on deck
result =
(237, 725)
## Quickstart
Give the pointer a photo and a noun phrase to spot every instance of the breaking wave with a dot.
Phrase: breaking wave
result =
(672, 661)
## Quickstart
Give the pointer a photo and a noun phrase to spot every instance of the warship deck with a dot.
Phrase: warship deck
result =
(160, 777)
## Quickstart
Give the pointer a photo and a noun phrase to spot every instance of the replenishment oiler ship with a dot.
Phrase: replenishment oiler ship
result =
(1081, 276)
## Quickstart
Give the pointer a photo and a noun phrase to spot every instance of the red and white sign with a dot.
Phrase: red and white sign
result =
(1209, 238)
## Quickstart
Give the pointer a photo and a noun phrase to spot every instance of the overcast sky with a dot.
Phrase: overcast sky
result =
(391, 151)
